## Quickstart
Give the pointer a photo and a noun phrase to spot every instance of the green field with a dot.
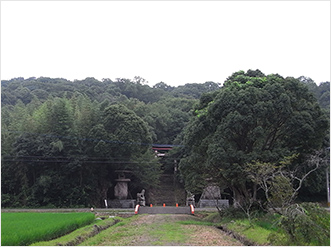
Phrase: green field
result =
(27, 228)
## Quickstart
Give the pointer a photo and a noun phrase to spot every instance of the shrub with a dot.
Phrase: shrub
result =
(305, 224)
(231, 213)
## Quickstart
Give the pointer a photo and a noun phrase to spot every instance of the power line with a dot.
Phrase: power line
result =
(84, 162)
(95, 139)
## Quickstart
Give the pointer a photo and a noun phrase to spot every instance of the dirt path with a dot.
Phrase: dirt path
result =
(162, 229)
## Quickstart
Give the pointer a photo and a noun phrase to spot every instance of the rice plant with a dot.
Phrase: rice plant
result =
(26, 228)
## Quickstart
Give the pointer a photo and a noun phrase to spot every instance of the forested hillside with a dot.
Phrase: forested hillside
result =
(62, 140)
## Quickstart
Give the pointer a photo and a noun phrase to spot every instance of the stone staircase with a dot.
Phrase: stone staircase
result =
(169, 192)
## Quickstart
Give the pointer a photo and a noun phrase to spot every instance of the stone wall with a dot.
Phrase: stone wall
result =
(206, 203)
(128, 203)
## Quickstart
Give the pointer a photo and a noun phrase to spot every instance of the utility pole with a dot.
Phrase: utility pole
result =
(327, 178)
(328, 185)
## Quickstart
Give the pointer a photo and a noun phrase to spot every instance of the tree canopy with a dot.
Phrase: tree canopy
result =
(62, 140)
(252, 118)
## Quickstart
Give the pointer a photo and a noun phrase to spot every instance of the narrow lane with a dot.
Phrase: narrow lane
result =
(162, 229)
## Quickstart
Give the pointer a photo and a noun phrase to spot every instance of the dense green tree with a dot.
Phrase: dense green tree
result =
(86, 113)
(321, 92)
(195, 90)
(64, 152)
(62, 140)
(324, 95)
(127, 133)
(163, 86)
(43, 87)
(257, 117)
(166, 118)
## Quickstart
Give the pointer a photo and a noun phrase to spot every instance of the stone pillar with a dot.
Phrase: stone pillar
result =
(121, 190)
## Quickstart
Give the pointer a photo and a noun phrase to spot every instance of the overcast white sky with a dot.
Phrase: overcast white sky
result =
(174, 42)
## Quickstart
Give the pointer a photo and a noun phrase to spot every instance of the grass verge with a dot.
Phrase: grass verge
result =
(195, 222)
(114, 235)
(255, 232)
(251, 231)
(169, 233)
(144, 230)
(78, 236)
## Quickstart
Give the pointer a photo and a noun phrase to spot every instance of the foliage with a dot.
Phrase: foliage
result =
(114, 91)
(62, 140)
(300, 224)
(304, 224)
(281, 182)
(147, 171)
(124, 128)
(231, 213)
(70, 151)
(252, 232)
(26, 228)
(321, 92)
(253, 117)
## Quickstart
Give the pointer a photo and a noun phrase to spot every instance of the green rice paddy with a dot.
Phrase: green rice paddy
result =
(27, 228)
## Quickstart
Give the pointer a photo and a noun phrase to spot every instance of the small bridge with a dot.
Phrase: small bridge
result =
(164, 210)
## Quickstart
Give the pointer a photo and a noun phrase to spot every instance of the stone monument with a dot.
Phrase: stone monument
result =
(141, 198)
(190, 200)
(211, 192)
(211, 197)
(121, 191)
